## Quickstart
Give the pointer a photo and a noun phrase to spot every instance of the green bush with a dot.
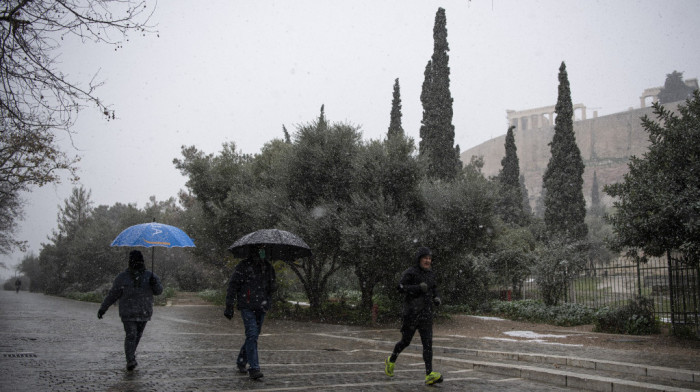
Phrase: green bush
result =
(536, 311)
(216, 297)
(331, 313)
(635, 318)
(91, 296)
(162, 299)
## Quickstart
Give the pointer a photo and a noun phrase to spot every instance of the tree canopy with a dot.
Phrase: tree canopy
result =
(37, 100)
(657, 208)
(674, 89)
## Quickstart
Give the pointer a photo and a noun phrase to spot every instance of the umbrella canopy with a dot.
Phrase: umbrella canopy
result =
(149, 235)
(280, 245)
(153, 234)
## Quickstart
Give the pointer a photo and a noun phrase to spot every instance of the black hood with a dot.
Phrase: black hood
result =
(136, 262)
(422, 251)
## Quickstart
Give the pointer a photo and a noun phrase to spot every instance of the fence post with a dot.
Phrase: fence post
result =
(639, 280)
(670, 291)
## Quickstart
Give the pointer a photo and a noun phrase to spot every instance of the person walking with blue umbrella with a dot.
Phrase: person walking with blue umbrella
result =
(134, 288)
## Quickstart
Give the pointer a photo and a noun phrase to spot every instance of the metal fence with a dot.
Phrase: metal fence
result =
(674, 288)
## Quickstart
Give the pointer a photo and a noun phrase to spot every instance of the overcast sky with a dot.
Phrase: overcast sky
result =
(236, 71)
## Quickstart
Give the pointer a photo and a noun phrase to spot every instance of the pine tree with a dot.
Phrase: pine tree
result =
(511, 198)
(565, 207)
(437, 132)
(395, 128)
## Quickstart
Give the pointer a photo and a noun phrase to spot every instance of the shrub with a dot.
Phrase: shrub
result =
(216, 297)
(91, 296)
(634, 318)
(536, 311)
(162, 299)
(330, 313)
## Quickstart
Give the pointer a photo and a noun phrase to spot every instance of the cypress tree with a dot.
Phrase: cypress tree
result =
(527, 209)
(437, 132)
(287, 138)
(565, 207)
(395, 128)
(595, 196)
(511, 203)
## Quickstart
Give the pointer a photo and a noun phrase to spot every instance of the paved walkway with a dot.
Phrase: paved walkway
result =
(54, 344)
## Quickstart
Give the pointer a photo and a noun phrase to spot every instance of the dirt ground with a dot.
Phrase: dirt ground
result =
(496, 328)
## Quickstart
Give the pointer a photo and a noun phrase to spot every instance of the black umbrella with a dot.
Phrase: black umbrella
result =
(279, 245)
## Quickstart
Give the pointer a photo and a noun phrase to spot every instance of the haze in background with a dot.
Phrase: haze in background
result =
(236, 71)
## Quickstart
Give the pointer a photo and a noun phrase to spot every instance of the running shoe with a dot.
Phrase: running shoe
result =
(433, 378)
(389, 367)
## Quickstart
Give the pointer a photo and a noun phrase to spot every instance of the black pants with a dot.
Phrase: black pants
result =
(408, 329)
(134, 330)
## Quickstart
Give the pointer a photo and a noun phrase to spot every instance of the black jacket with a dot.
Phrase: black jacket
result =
(135, 297)
(418, 304)
(251, 285)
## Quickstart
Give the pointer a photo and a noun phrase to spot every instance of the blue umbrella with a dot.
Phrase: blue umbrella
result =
(153, 234)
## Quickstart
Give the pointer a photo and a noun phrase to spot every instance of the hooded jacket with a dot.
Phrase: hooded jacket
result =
(251, 285)
(418, 305)
(135, 295)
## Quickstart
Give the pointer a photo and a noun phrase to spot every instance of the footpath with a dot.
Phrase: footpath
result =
(55, 344)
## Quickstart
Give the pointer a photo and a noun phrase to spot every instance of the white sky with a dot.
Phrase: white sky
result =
(231, 70)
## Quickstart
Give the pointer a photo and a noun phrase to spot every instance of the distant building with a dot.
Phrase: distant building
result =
(606, 143)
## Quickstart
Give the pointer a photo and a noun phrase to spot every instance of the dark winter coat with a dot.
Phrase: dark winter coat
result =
(418, 305)
(135, 296)
(251, 285)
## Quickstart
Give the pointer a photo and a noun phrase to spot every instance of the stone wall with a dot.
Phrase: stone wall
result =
(606, 144)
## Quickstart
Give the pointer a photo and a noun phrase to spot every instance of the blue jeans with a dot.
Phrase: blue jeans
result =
(252, 321)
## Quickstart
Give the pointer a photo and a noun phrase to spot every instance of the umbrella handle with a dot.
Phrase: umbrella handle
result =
(153, 252)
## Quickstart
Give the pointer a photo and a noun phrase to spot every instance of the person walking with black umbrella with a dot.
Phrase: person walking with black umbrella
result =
(420, 296)
(251, 286)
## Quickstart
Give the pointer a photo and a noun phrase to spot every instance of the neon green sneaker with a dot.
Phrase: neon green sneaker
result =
(433, 378)
(389, 367)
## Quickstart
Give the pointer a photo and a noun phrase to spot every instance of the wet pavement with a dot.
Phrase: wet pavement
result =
(55, 344)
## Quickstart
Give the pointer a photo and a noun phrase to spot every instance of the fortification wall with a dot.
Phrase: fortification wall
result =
(606, 144)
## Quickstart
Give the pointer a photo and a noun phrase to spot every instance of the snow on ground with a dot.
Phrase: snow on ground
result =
(488, 318)
(531, 335)
(540, 341)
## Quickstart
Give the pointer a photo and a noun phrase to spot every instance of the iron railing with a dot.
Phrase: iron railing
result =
(615, 284)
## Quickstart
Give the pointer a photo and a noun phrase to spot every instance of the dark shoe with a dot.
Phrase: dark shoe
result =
(242, 369)
(131, 365)
(255, 374)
